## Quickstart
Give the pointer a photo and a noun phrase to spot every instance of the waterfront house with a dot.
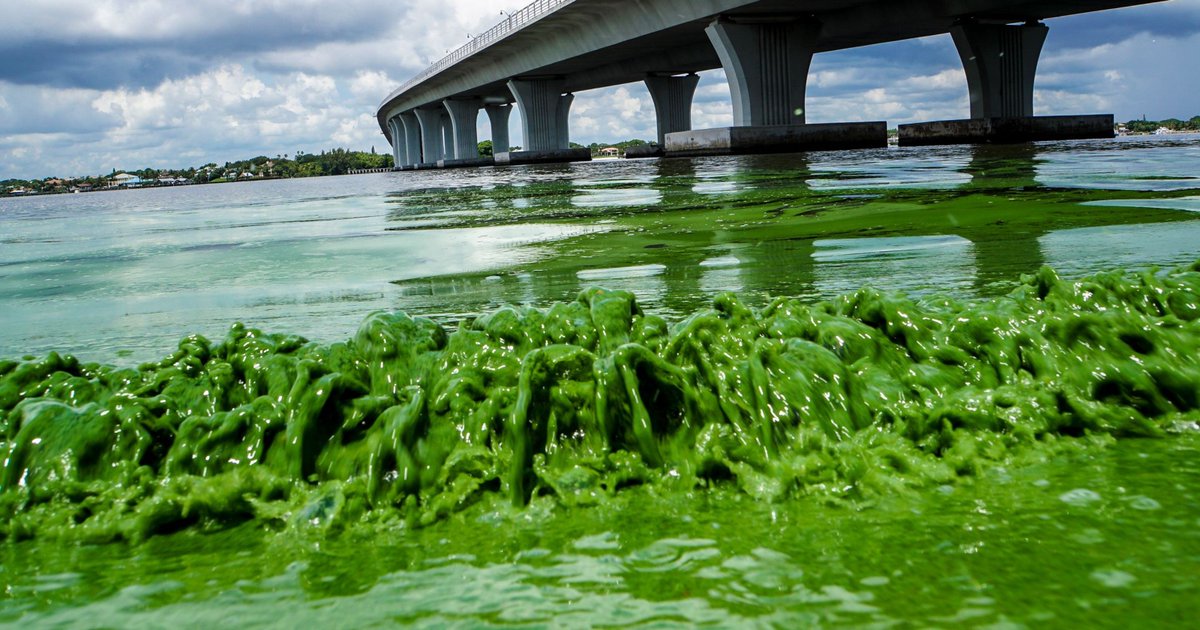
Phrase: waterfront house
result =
(125, 180)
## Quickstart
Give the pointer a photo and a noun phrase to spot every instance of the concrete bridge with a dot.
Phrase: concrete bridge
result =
(539, 56)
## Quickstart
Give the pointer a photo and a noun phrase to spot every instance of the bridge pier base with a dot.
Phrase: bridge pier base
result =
(776, 139)
(498, 114)
(557, 156)
(1006, 130)
(1000, 62)
(432, 136)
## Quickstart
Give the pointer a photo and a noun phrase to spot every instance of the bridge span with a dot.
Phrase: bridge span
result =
(539, 56)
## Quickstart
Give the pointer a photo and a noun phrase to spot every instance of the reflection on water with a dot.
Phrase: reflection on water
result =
(1123, 246)
(915, 264)
(125, 274)
(1129, 163)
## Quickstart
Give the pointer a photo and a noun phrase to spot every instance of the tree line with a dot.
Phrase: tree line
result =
(1174, 124)
(331, 162)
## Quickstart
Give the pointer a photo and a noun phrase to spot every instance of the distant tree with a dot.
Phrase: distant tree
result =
(486, 149)
(285, 168)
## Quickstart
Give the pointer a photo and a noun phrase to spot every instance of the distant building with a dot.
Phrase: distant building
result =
(125, 180)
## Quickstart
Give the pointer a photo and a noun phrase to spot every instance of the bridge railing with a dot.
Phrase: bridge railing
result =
(514, 22)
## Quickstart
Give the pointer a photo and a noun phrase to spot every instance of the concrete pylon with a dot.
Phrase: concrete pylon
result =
(498, 114)
(766, 63)
(464, 114)
(672, 98)
(396, 137)
(564, 115)
(544, 112)
(431, 134)
(1000, 62)
(447, 136)
(412, 139)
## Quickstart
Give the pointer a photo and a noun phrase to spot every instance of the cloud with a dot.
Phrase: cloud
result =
(90, 86)
(1143, 75)
(1174, 19)
(107, 44)
(222, 114)
(26, 109)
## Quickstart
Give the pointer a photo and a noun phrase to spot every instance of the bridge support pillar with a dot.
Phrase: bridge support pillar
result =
(545, 110)
(463, 116)
(412, 140)
(498, 114)
(672, 98)
(1000, 62)
(432, 136)
(396, 137)
(564, 114)
(766, 64)
(542, 112)
(447, 136)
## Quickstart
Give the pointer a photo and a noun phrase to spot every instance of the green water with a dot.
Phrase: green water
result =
(981, 449)
(1105, 538)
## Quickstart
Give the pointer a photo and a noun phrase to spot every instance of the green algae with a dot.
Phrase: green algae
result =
(857, 398)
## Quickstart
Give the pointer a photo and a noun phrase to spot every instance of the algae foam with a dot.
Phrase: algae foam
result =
(868, 395)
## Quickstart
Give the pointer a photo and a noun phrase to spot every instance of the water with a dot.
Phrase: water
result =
(121, 276)
(1094, 541)
(1098, 536)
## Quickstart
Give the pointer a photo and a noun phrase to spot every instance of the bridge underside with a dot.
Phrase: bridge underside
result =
(589, 44)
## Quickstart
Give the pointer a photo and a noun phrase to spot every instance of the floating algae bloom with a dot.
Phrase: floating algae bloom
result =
(862, 396)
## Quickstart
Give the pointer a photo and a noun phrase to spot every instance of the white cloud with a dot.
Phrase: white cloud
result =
(1142, 75)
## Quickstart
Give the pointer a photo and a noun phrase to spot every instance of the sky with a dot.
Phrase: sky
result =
(89, 86)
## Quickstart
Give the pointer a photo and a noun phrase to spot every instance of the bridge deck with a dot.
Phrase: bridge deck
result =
(599, 43)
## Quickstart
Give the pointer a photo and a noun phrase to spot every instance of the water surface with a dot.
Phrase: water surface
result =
(1099, 535)
(122, 275)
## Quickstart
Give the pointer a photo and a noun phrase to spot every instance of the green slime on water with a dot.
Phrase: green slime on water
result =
(865, 396)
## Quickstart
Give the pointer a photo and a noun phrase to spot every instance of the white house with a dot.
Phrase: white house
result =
(126, 180)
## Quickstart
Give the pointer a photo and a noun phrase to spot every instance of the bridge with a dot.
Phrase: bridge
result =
(540, 56)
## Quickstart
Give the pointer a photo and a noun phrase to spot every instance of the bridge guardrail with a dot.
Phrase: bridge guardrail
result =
(515, 21)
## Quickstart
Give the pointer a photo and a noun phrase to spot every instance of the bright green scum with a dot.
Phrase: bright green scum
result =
(862, 396)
